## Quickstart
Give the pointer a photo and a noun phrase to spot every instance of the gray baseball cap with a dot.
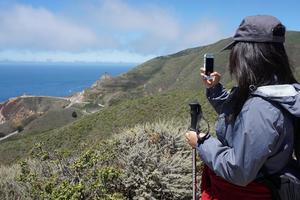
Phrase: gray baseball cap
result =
(258, 28)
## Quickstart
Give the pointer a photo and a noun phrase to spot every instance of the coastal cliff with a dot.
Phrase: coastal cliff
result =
(17, 113)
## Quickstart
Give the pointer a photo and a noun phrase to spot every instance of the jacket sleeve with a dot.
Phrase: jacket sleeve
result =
(217, 95)
(254, 138)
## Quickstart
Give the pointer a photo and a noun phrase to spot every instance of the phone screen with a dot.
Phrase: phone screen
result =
(209, 66)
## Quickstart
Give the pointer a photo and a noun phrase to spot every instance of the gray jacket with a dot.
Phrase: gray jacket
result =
(261, 135)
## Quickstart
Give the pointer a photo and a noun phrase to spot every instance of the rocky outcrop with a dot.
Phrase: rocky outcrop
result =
(109, 90)
(17, 112)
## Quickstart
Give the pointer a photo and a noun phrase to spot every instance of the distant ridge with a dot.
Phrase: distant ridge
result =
(175, 71)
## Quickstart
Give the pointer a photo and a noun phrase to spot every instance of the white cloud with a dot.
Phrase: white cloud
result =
(146, 29)
(63, 56)
(203, 32)
(149, 19)
(157, 30)
(25, 27)
(108, 29)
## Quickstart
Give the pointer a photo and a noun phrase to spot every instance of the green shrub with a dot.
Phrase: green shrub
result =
(56, 176)
(150, 161)
(9, 187)
(156, 162)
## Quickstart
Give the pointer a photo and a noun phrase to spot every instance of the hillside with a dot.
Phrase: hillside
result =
(90, 129)
(41, 113)
(176, 71)
(16, 113)
(164, 73)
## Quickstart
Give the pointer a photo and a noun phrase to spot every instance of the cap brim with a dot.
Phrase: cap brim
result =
(229, 46)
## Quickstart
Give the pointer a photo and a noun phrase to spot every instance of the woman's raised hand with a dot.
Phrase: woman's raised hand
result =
(215, 78)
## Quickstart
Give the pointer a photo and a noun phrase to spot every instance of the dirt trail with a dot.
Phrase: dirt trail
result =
(9, 135)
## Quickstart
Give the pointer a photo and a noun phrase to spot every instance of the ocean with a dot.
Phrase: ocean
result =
(44, 79)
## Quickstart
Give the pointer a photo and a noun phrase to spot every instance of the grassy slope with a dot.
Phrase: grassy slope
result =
(181, 70)
(92, 128)
(177, 71)
(293, 50)
(53, 119)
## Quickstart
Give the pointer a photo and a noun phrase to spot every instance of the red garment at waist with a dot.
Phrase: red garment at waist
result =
(214, 187)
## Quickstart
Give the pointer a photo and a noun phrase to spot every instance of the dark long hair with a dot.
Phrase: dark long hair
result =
(258, 64)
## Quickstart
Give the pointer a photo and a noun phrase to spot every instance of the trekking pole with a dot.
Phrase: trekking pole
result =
(195, 117)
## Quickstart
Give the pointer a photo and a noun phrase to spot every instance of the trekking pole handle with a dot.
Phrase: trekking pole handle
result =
(195, 115)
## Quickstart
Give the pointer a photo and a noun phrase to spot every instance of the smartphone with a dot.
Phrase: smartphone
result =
(208, 64)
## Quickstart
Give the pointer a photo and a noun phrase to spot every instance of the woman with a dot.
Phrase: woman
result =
(255, 129)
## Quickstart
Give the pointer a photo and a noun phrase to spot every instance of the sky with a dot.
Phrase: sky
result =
(124, 31)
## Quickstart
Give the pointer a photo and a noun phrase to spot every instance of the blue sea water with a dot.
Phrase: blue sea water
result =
(52, 79)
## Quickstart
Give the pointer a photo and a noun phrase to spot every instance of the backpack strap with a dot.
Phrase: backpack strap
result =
(272, 182)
